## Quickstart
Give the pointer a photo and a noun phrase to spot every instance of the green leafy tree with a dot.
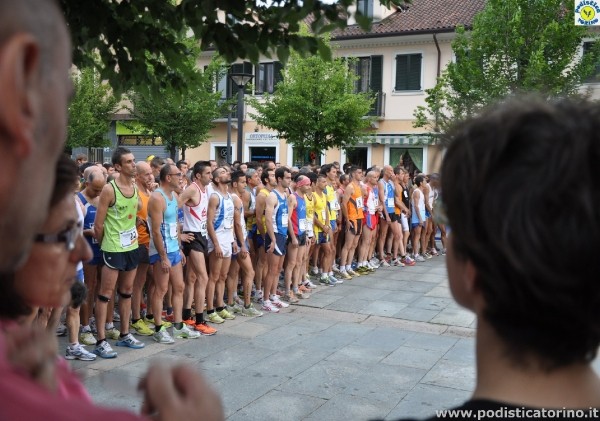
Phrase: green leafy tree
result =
(515, 47)
(90, 111)
(314, 107)
(182, 120)
(121, 37)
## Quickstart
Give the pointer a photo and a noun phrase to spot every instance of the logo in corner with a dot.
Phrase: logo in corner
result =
(587, 13)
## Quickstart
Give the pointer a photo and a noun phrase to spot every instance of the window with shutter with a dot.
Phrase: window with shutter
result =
(408, 72)
(267, 75)
(594, 77)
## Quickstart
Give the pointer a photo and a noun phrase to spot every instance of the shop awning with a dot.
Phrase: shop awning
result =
(416, 139)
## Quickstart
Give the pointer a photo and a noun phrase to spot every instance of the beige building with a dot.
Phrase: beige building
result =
(398, 59)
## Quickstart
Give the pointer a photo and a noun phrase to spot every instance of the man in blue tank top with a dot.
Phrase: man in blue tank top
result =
(277, 222)
(166, 255)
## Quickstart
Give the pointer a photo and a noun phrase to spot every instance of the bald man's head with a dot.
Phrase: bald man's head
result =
(35, 52)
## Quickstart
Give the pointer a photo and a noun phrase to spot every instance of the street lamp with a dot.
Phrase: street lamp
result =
(240, 80)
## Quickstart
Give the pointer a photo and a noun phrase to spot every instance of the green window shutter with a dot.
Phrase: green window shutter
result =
(408, 72)
(376, 80)
(277, 72)
(414, 72)
(401, 73)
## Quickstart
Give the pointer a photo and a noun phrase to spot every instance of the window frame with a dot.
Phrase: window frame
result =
(421, 75)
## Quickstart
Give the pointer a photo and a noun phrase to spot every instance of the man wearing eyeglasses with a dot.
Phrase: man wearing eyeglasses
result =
(115, 229)
(166, 255)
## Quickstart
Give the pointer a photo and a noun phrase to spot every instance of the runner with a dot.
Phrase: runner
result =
(166, 255)
(115, 230)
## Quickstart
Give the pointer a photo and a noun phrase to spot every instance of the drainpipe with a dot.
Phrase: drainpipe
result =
(439, 58)
(439, 63)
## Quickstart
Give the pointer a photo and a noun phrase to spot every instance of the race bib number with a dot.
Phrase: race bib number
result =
(203, 229)
(128, 237)
(284, 219)
(359, 202)
(228, 223)
(390, 202)
(376, 201)
(335, 205)
(302, 224)
(172, 230)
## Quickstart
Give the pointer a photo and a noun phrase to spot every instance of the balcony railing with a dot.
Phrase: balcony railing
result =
(378, 106)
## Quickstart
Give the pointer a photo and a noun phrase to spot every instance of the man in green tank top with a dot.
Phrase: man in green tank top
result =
(115, 228)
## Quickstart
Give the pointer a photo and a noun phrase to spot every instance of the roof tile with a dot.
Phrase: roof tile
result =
(419, 16)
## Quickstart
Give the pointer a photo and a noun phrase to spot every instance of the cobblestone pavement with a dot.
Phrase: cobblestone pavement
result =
(387, 345)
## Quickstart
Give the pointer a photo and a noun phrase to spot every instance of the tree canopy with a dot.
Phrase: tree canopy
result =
(514, 47)
(122, 38)
(182, 119)
(314, 107)
(90, 111)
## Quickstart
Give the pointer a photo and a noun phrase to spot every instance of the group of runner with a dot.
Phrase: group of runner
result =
(206, 243)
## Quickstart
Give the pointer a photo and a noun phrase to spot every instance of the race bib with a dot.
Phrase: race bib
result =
(323, 215)
(390, 202)
(228, 223)
(284, 219)
(203, 229)
(359, 202)
(128, 237)
(376, 201)
(335, 205)
(302, 224)
(172, 230)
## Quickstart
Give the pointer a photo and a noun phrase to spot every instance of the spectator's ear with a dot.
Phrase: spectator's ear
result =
(20, 104)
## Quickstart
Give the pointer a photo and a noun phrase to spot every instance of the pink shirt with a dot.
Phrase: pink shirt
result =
(23, 399)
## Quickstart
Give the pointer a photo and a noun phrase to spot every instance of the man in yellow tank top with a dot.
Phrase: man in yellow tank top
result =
(115, 228)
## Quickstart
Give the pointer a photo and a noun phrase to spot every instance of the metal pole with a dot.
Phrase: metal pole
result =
(229, 137)
(240, 111)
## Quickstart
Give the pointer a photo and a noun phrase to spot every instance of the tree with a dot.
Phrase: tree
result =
(90, 111)
(128, 35)
(181, 119)
(515, 47)
(314, 107)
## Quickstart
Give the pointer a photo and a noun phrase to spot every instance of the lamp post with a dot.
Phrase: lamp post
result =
(240, 80)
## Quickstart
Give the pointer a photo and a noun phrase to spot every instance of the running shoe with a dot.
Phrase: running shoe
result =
(113, 334)
(225, 315)
(269, 307)
(185, 333)
(290, 298)
(235, 308)
(308, 284)
(141, 328)
(61, 329)
(324, 280)
(419, 258)
(215, 318)
(87, 338)
(362, 270)
(250, 312)
(104, 350)
(130, 342)
(78, 352)
(205, 329)
(352, 273)
(162, 336)
(278, 303)
(408, 261)
(335, 280)
(344, 275)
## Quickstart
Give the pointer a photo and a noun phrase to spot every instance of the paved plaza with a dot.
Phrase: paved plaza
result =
(388, 345)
